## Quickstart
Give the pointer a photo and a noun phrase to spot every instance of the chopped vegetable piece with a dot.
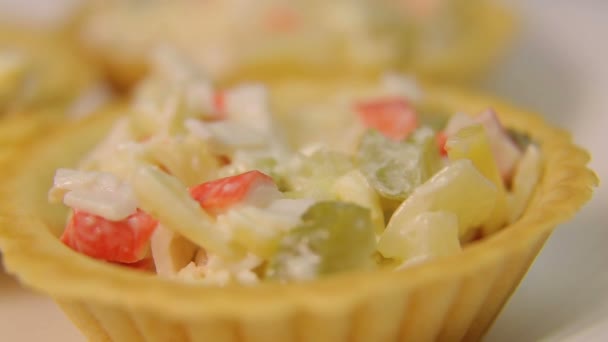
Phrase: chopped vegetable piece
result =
(444, 192)
(312, 176)
(393, 117)
(427, 235)
(187, 158)
(431, 160)
(333, 237)
(168, 200)
(258, 231)
(227, 136)
(457, 122)
(124, 241)
(354, 188)
(97, 193)
(157, 109)
(242, 162)
(247, 104)
(473, 143)
(506, 152)
(253, 187)
(170, 251)
(526, 177)
(394, 168)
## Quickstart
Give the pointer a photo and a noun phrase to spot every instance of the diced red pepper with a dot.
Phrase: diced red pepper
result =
(124, 241)
(219, 195)
(393, 116)
(441, 139)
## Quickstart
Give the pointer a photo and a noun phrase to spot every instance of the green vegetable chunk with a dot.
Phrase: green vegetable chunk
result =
(312, 176)
(333, 237)
(396, 168)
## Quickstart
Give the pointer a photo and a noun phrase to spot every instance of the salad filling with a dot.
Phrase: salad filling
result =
(203, 185)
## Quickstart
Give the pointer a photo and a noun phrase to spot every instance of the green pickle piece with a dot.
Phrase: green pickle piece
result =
(333, 237)
(312, 176)
(396, 168)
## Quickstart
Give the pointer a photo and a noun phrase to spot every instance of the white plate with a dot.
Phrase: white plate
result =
(26, 317)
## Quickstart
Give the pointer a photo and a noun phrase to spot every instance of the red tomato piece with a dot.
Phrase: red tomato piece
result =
(124, 241)
(394, 117)
(441, 139)
(219, 195)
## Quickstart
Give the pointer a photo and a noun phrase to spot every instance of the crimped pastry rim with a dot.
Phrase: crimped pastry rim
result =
(489, 36)
(491, 31)
(43, 263)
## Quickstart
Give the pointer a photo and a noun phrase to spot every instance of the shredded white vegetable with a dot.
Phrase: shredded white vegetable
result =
(97, 193)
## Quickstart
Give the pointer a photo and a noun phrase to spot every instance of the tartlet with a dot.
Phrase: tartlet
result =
(39, 69)
(444, 40)
(448, 298)
(44, 80)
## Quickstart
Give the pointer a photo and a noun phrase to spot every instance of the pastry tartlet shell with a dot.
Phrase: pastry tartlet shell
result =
(452, 298)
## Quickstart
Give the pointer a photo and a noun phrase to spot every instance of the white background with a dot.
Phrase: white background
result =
(558, 67)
